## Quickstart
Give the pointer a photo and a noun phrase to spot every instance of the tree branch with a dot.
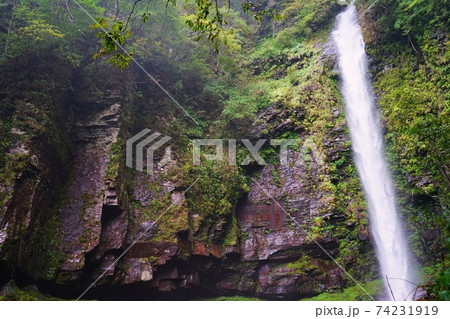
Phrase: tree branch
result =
(389, 285)
(131, 13)
(10, 27)
(116, 9)
(412, 44)
(67, 5)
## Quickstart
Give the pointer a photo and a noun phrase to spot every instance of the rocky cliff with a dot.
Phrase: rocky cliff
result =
(72, 214)
(66, 238)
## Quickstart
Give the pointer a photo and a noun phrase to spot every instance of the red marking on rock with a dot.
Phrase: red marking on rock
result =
(262, 215)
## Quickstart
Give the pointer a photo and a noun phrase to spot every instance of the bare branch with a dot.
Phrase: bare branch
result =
(131, 13)
(389, 285)
(412, 44)
(67, 6)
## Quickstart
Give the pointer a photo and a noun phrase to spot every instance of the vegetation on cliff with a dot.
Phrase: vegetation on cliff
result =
(269, 77)
(408, 42)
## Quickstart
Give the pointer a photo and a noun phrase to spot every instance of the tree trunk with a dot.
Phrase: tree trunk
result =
(116, 9)
(13, 11)
(67, 5)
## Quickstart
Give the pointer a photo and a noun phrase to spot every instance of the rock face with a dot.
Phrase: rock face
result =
(279, 254)
(275, 257)
(72, 213)
(92, 212)
(282, 256)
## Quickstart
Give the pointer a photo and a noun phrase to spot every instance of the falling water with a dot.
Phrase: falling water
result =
(367, 141)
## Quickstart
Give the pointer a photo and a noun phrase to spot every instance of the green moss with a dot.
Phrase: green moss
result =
(244, 236)
(233, 298)
(30, 293)
(416, 109)
(232, 234)
(6, 139)
(374, 288)
(276, 177)
(216, 187)
(41, 250)
(413, 94)
(115, 158)
(317, 227)
(301, 266)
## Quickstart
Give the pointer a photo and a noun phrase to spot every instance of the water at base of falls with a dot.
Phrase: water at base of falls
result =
(368, 148)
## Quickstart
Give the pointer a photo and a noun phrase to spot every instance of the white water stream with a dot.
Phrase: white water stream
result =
(368, 148)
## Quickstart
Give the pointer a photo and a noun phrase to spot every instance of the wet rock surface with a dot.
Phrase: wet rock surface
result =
(137, 232)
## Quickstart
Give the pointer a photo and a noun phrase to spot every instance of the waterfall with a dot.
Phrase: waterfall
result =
(368, 147)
